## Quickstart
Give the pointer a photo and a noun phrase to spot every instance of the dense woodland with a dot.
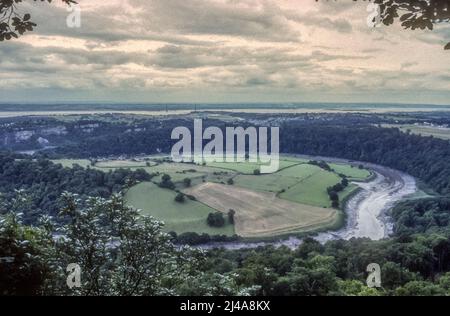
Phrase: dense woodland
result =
(44, 182)
(430, 215)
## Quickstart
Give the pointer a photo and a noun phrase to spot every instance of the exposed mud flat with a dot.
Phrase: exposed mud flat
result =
(367, 211)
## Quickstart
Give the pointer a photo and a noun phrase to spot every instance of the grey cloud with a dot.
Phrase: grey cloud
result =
(339, 25)
(265, 23)
(108, 27)
(279, 61)
(258, 81)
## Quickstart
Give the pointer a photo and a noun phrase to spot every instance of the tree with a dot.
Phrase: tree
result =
(166, 182)
(420, 288)
(333, 196)
(12, 23)
(25, 254)
(187, 182)
(444, 282)
(231, 214)
(119, 252)
(335, 204)
(394, 275)
(216, 219)
(179, 198)
(356, 288)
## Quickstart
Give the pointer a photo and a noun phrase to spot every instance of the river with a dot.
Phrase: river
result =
(367, 210)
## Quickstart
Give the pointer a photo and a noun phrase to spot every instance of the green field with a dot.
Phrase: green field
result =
(124, 164)
(353, 173)
(189, 216)
(276, 182)
(250, 167)
(312, 190)
(303, 183)
(69, 163)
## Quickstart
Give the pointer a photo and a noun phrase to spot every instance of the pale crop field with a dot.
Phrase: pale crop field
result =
(262, 214)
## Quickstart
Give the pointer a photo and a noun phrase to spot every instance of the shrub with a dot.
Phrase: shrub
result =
(180, 198)
(216, 219)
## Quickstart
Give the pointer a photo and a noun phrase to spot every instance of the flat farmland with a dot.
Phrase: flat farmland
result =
(292, 200)
(262, 214)
(312, 190)
(250, 167)
(352, 172)
(423, 130)
(276, 182)
(69, 163)
(115, 164)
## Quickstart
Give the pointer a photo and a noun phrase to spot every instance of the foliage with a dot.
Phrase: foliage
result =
(166, 182)
(231, 214)
(423, 14)
(26, 254)
(187, 182)
(216, 219)
(179, 198)
(13, 24)
(422, 216)
(119, 252)
(45, 181)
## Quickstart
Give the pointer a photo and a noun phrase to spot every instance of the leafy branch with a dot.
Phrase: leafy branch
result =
(414, 14)
(12, 23)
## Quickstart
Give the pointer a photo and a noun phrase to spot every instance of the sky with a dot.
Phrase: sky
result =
(222, 51)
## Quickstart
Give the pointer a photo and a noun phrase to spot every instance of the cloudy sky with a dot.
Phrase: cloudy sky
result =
(222, 51)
